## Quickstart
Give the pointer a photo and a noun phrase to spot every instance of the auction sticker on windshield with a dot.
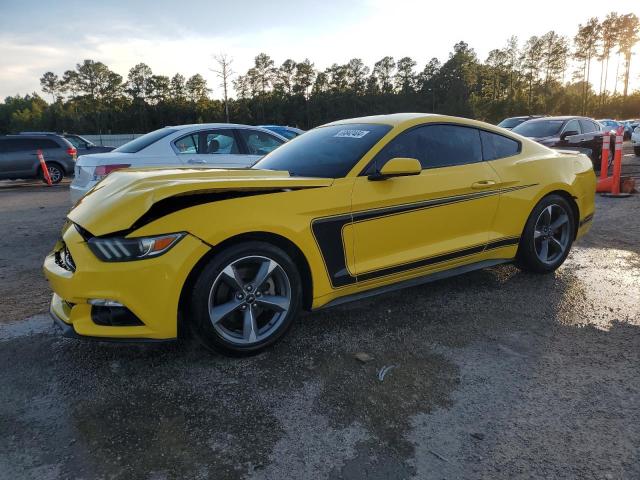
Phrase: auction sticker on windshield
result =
(351, 133)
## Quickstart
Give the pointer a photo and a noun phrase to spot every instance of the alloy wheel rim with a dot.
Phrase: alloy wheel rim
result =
(249, 300)
(551, 234)
(54, 174)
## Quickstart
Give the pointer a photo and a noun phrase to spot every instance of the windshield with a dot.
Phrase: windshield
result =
(539, 128)
(329, 152)
(134, 146)
(511, 122)
(75, 141)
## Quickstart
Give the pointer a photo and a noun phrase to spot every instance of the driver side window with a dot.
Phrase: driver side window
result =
(572, 126)
(434, 146)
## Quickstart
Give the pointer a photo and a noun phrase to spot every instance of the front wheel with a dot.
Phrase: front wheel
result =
(547, 236)
(246, 298)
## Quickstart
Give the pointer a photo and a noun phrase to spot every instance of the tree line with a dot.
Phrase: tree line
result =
(546, 74)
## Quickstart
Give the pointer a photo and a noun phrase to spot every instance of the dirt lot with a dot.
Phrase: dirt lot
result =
(498, 374)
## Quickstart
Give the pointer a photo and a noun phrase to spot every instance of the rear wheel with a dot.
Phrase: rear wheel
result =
(548, 235)
(598, 164)
(246, 298)
(55, 173)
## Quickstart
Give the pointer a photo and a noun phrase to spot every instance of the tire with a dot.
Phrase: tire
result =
(597, 163)
(247, 319)
(636, 151)
(56, 172)
(539, 229)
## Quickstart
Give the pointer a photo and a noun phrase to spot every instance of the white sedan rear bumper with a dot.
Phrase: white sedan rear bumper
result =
(76, 192)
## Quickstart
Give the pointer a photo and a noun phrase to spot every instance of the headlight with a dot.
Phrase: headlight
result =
(119, 249)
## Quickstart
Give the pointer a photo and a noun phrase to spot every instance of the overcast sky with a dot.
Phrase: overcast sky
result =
(171, 37)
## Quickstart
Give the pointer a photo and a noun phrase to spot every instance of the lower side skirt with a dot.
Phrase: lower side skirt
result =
(430, 277)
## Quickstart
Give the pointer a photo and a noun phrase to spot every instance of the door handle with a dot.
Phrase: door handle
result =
(482, 184)
(196, 161)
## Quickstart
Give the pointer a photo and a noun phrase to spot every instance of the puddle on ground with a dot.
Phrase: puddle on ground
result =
(353, 393)
(602, 287)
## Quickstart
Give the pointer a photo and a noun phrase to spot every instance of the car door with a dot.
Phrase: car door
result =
(442, 216)
(573, 141)
(221, 148)
(188, 149)
(591, 137)
(257, 143)
(19, 159)
(6, 169)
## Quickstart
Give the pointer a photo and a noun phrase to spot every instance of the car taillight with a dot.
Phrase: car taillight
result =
(102, 171)
(71, 151)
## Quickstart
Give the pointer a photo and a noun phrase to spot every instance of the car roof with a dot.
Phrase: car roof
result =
(408, 120)
(30, 136)
(210, 125)
(531, 117)
(34, 135)
(393, 119)
(559, 118)
(204, 126)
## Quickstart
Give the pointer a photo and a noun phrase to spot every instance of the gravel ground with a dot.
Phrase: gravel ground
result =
(31, 215)
(497, 375)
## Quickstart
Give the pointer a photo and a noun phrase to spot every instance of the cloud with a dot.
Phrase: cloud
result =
(325, 32)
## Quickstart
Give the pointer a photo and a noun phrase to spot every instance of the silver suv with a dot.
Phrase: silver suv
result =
(19, 159)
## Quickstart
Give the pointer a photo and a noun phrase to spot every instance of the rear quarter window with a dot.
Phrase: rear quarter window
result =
(496, 146)
(19, 144)
(134, 146)
(45, 144)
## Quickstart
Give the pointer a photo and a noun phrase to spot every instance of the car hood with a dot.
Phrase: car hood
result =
(123, 197)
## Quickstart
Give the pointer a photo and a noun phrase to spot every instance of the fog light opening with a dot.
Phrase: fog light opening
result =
(104, 302)
(114, 316)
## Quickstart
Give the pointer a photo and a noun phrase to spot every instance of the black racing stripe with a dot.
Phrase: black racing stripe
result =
(410, 207)
(445, 257)
(328, 234)
(586, 219)
(504, 242)
(176, 203)
(420, 263)
(328, 231)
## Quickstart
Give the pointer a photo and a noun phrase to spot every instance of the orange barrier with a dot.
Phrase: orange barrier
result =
(604, 160)
(617, 162)
(610, 186)
(45, 169)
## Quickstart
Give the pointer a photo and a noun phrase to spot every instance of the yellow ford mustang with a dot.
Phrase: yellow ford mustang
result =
(346, 210)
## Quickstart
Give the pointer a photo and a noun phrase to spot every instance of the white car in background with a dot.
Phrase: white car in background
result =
(221, 145)
(635, 141)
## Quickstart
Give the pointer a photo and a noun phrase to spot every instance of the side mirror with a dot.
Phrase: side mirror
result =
(569, 133)
(398, 167)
